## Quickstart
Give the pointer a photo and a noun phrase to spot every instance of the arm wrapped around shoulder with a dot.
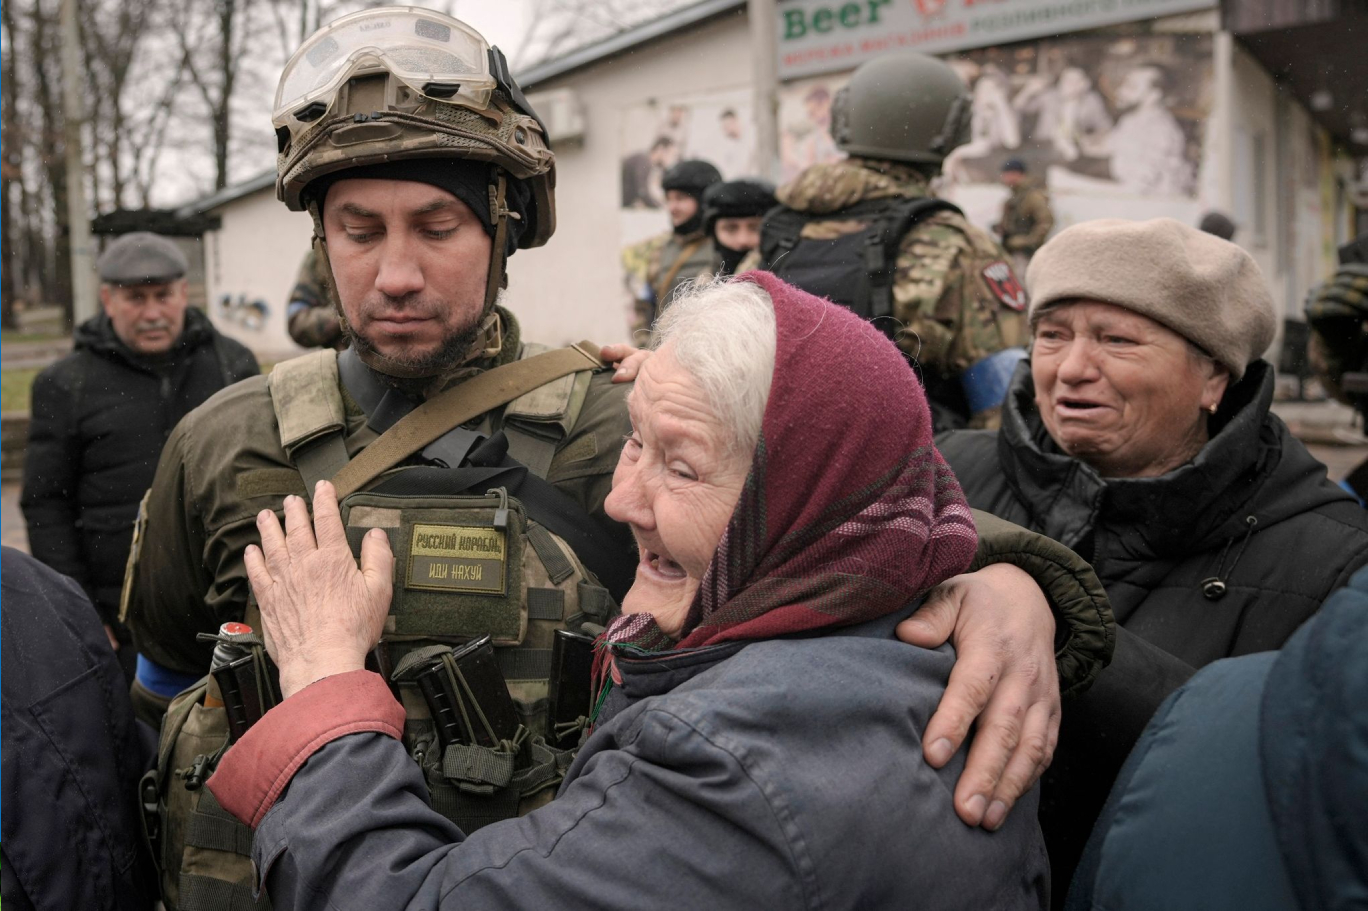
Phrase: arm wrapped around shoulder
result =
(1085, 627)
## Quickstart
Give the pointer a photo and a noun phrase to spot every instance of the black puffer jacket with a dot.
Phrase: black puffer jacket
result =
(1190, 578)
(1224, 556)
(100, 416)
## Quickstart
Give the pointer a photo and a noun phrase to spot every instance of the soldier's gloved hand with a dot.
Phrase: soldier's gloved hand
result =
(627, 358)
(320, 612)
(1004, 676)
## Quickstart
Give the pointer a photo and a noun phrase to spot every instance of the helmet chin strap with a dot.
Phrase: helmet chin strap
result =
(488, 340)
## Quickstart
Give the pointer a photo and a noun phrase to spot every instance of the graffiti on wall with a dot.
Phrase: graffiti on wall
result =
(249, 314)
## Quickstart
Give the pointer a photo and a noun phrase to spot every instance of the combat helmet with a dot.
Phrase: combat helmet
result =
(904, 106)
(692, 176)
(396, 84)
(736, 199)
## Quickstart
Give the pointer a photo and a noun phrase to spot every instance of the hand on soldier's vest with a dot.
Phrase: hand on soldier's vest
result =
(321, 613)
(627, 358)
(1004, 676)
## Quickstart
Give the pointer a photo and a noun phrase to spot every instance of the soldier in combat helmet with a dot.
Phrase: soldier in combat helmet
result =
(1337, 313)
(655, 268)
(486, 457)
(867, 233)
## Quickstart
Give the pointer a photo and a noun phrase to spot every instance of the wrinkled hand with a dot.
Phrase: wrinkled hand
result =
(1003, 633)
(320, 612)
(628, 359)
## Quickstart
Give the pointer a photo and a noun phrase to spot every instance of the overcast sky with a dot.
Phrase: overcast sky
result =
(502, 22)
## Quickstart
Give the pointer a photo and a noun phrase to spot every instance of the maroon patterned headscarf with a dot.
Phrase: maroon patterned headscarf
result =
(848, 513)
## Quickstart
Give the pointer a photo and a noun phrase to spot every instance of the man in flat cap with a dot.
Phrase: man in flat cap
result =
(101, 414)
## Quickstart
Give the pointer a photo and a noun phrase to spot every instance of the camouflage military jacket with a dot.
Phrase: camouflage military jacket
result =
(224, 463)
(1026, 219)
(953, 292)
(1337, 313)
(310, 316)
(655, 269)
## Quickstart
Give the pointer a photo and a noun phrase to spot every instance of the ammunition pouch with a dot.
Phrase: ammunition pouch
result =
(203, 854)
(480, 762)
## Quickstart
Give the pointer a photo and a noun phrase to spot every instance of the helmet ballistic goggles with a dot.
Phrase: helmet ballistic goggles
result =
(434, 55)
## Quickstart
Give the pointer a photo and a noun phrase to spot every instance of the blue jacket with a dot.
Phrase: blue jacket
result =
(1249, 788)
(72, 753)
(780, 774)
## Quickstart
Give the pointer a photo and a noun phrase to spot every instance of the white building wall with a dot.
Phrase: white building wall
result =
(572, 288)
(1279, 164)
(250, 267)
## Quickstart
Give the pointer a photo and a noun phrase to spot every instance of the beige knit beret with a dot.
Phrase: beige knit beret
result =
(1206, 289)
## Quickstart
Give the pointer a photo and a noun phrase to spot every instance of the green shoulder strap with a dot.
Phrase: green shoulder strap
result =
(307, 397)
(457, 405)
(537, 422)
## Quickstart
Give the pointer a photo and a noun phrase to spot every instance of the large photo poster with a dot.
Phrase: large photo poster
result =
(805, 123)
(716, 127)
(1111, 123)
(1094, 112)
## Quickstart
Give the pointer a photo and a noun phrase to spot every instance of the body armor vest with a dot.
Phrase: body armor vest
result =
(497, 597)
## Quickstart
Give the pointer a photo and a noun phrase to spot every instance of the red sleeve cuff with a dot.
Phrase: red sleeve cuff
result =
(256, 769)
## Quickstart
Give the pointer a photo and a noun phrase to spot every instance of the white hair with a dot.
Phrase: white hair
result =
(723, 333)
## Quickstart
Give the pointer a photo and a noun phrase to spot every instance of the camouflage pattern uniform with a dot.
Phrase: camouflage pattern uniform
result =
(952, 313)
(655, 269)
(312, 320)
(1026, 221)
(1337, 312)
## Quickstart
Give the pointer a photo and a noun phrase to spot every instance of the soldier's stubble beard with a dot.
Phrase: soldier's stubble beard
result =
(450, 355)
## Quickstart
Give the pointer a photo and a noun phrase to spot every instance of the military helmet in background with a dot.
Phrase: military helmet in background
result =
(397, 83)
(905, 106)
(692, 176)
(736, 199)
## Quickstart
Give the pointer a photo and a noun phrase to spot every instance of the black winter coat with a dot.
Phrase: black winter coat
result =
(100, 417)
(1190, 578)
(72, 753)
(1224, 556)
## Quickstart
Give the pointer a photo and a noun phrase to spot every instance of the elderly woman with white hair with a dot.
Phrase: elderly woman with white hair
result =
(756, 731)
(1139, 434)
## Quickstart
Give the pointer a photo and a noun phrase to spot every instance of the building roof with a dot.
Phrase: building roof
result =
(623, 41)
(228, 194)
(627, 40)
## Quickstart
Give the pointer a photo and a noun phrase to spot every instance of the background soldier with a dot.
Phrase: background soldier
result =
(1026, 216)
(102, 413)
(1337, 313)
(655, 268)
(310, 316)
(866, 233)
(732, 213)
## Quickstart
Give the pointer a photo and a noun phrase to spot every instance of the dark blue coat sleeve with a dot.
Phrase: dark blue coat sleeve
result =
(635, 830)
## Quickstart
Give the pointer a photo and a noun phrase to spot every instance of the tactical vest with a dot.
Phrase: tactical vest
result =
(858, 269)
(855, 269)
(492, 570)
